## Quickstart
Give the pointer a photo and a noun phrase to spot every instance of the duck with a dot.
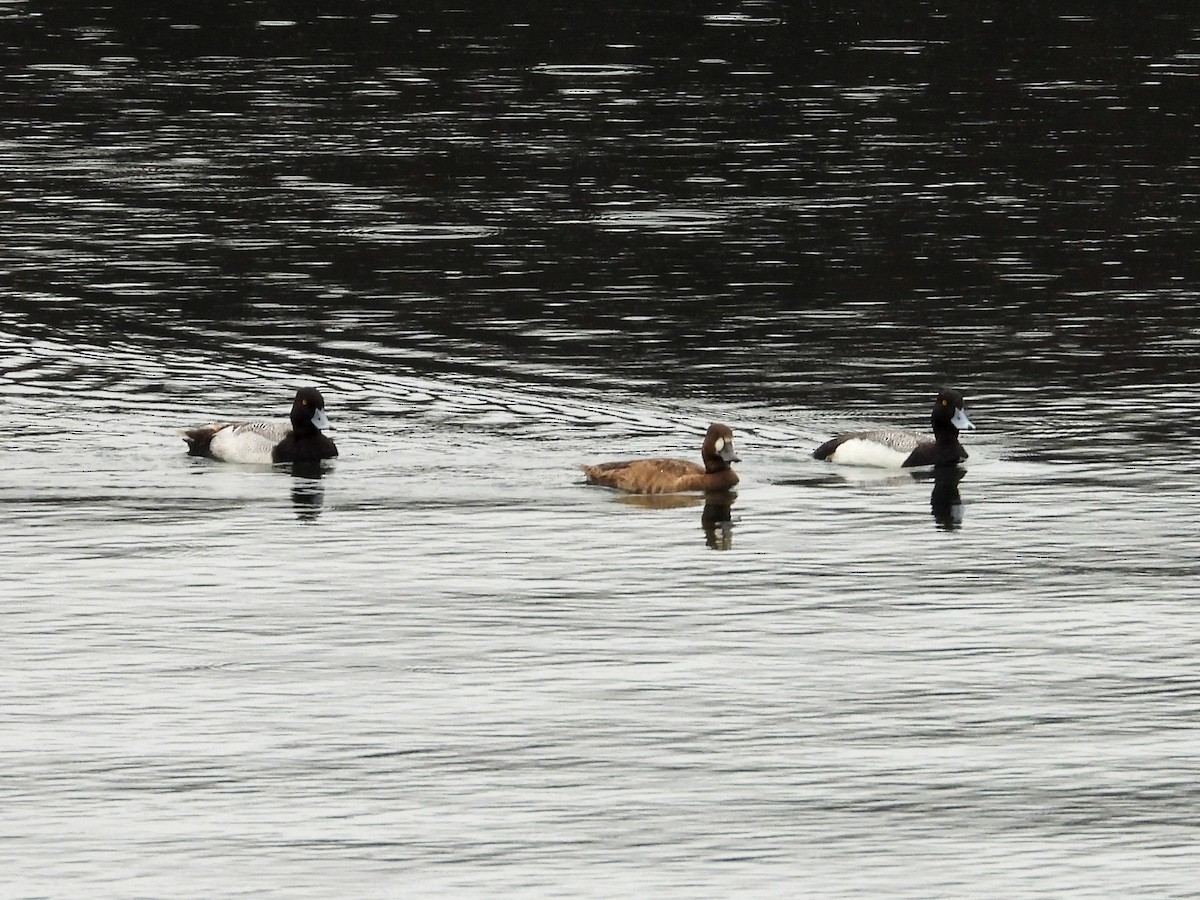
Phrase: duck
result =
(885, 448)
(672, 476)
(275, 441)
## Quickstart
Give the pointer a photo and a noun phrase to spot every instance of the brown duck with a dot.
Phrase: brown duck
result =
(670, 476)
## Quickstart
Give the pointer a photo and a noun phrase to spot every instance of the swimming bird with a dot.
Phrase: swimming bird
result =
(670, 476)
(275, 441)
(904, 449)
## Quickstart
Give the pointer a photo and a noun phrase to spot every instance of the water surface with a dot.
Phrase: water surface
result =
(506, 243)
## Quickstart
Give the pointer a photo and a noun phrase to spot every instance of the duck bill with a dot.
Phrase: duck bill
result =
(960, 420)
(320, 420)
(728, 454)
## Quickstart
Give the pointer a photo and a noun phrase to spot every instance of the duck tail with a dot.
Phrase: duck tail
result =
(199, 439)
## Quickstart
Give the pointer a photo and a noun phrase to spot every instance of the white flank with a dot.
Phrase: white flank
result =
(860, 452)
(248, 442)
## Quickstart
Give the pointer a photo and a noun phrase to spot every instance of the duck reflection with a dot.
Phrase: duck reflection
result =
(715, 519)
(945, 502)
(308, 493)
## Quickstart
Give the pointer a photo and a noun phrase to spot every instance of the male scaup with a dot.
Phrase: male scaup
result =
(904, 449)
(276, 441)
(670, 476)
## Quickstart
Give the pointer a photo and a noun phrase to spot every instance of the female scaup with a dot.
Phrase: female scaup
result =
(299, 440)
(903, 449)
(670, 476)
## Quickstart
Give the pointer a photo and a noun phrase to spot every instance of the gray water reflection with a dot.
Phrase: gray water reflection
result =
(502, 242)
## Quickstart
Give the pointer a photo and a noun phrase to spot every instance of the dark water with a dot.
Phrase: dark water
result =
(507, 241)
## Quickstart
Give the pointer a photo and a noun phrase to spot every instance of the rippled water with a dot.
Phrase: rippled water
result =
(506, 243)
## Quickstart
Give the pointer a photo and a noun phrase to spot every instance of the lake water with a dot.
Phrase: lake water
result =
(507, 242)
